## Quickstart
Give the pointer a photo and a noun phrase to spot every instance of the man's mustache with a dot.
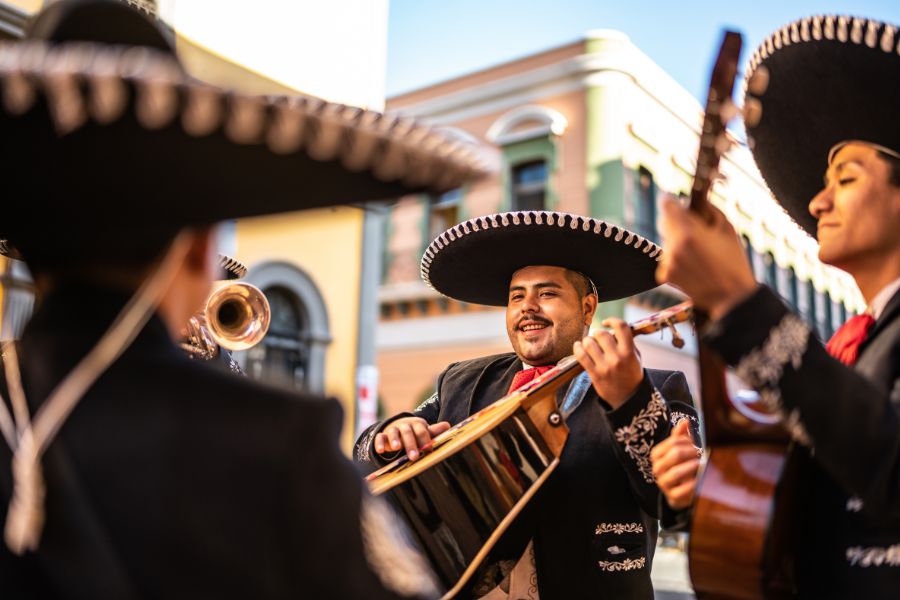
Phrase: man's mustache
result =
(533, 319)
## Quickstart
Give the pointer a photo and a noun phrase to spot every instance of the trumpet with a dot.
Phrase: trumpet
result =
(236, 317)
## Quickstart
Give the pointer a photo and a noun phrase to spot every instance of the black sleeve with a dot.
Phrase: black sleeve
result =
(344, 542)
(849, 423)
(643, 421)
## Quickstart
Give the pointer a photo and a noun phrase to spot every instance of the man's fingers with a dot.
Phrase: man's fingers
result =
(393, 442)
(679, 452)
(607, 344)
(678, 474)
(682, 495)
(380, 439)
(423, 436)
(409, 441)
(438, 428)
(682, 428)
(585, 358)
(622, 334)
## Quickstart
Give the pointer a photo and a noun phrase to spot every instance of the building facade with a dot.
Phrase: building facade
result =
(595, 128)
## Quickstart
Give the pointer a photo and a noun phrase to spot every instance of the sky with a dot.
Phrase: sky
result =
(435, 40)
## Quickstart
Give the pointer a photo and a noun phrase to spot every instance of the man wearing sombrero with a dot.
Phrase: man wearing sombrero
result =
(830, 110)
(126, 469)
(591, 530)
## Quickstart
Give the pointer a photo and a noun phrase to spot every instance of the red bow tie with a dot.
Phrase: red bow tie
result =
(526, 375)
(844, 344)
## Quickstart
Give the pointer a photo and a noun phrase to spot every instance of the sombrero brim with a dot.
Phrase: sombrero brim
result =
(831, 79)
(123, 136)
(475, 260)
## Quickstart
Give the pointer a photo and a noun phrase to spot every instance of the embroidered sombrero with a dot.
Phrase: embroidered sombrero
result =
(119, 139)
(831, 79)
(474, 261)
(232, 268)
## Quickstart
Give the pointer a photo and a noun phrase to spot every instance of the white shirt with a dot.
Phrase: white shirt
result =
(879, 302)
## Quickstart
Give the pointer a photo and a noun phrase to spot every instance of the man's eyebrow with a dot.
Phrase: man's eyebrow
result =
(836, 169)
(542, 284)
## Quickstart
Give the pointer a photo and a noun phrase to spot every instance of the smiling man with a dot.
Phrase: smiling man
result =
(830, 106)
(591, 530)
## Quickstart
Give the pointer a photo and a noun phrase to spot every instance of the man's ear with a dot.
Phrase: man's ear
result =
(201, 255)
(589, 307)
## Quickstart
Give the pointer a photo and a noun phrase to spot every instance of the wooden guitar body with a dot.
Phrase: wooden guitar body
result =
(740, 538)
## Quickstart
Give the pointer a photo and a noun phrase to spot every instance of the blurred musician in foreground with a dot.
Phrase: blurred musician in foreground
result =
(126, 469)
(591, 530)
(830, 110)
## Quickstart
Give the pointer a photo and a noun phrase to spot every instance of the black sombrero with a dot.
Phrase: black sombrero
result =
(232, 268)
(475, 260)
(831, 79)
(119, 138)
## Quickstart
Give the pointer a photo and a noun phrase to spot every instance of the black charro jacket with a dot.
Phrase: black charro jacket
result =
(174, 479)
(846, 426)
(594, 523)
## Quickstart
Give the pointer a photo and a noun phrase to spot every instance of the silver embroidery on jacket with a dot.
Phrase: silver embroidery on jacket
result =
(637, 437)
(433, 399)
(623, 565)
(392, 557)
(677, 417)
(763, 368)
(874, 556)
(619, 528)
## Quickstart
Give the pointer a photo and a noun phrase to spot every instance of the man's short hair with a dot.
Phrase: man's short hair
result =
(581, 283)
(894, 166)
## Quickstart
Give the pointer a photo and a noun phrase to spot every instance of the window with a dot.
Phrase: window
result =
(821, 315)
(529, 186)
(283, 355)
(443, 212)
(770, 271)
(787, 286)
(645, 207)
(748, 249)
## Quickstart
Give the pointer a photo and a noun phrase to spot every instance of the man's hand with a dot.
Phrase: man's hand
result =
(611, 361)
(706, 260)
(675, 463)
(409, 434)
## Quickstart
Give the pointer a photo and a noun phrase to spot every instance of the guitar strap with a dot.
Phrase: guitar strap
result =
(574, 394)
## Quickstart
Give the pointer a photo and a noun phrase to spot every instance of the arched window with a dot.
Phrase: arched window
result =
(529, 185)
(293, 352)
(770, 271)
(283, 356)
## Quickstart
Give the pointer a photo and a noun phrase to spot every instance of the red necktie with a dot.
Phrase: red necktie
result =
(844, 344)
(526, 375)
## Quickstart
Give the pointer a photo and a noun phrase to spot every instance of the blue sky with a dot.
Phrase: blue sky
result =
(431, 40)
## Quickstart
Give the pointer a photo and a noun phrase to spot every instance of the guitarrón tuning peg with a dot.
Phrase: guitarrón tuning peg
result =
(723, 143)
(728, 111)
(759, 81)
(752, 112)
(677, 340)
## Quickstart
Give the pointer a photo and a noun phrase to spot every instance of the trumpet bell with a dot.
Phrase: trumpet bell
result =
(237, 316)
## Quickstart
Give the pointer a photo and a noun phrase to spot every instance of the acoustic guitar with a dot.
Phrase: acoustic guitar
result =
(738, 545)
(475, 478)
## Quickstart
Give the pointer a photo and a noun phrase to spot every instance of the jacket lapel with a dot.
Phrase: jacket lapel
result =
(493, 382)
